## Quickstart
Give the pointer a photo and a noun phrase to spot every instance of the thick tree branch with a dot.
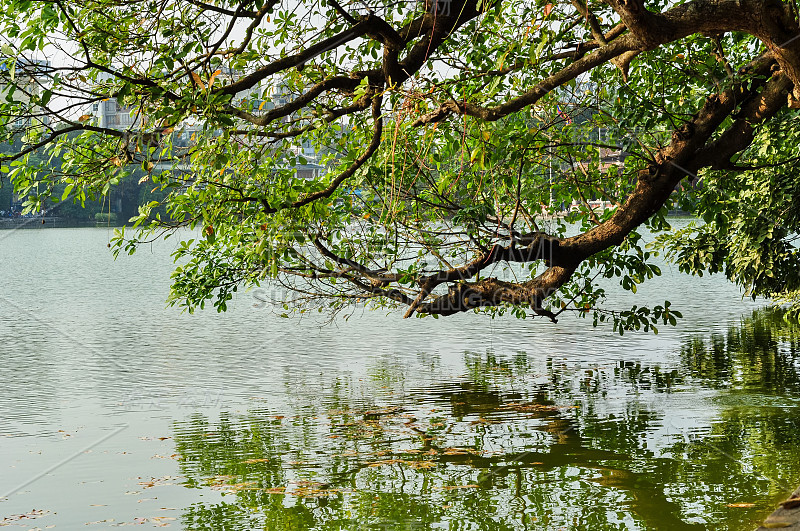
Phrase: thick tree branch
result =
(687, 152)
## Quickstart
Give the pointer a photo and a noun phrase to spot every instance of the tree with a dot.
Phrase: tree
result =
(451, 133)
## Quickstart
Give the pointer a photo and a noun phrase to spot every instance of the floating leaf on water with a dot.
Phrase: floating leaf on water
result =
(314, 493)
(35, 513)
(459, 451)
(158, 482)
(308, 483)
(236, 487)
(343, 412)
(386, 462)
(219, 480)
(162, 518)
(741, 505)
(522, 408)
(377, 413)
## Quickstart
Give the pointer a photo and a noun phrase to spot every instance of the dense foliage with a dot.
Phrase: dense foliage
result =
(447, 137)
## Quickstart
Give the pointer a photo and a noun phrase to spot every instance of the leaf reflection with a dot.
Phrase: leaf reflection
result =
(518, 444)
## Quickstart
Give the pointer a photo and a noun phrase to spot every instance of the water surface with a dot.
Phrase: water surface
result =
(116, 410)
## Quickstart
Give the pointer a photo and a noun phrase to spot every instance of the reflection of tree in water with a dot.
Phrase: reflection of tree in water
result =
(504, 448)
(761, 354)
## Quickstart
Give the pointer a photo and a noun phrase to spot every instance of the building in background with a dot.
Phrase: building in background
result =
(21, 82)
(113, 115)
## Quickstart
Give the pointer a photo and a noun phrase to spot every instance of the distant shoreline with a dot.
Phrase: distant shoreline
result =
(47, 223)
(62, 223)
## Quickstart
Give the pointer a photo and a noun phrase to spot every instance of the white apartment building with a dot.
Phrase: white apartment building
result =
(21, 83)
(112, 114)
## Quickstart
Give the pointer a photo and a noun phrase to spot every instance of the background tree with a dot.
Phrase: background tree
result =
(451, 130)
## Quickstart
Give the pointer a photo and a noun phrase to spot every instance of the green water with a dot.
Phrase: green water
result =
(117, 411)
(504, 447)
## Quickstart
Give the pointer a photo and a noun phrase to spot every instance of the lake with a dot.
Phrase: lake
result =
(117, 410)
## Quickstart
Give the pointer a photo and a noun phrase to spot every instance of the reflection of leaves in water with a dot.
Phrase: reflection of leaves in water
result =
(507, 447)
(762, 354)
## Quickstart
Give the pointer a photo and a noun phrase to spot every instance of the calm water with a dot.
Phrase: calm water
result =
(117, 411)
